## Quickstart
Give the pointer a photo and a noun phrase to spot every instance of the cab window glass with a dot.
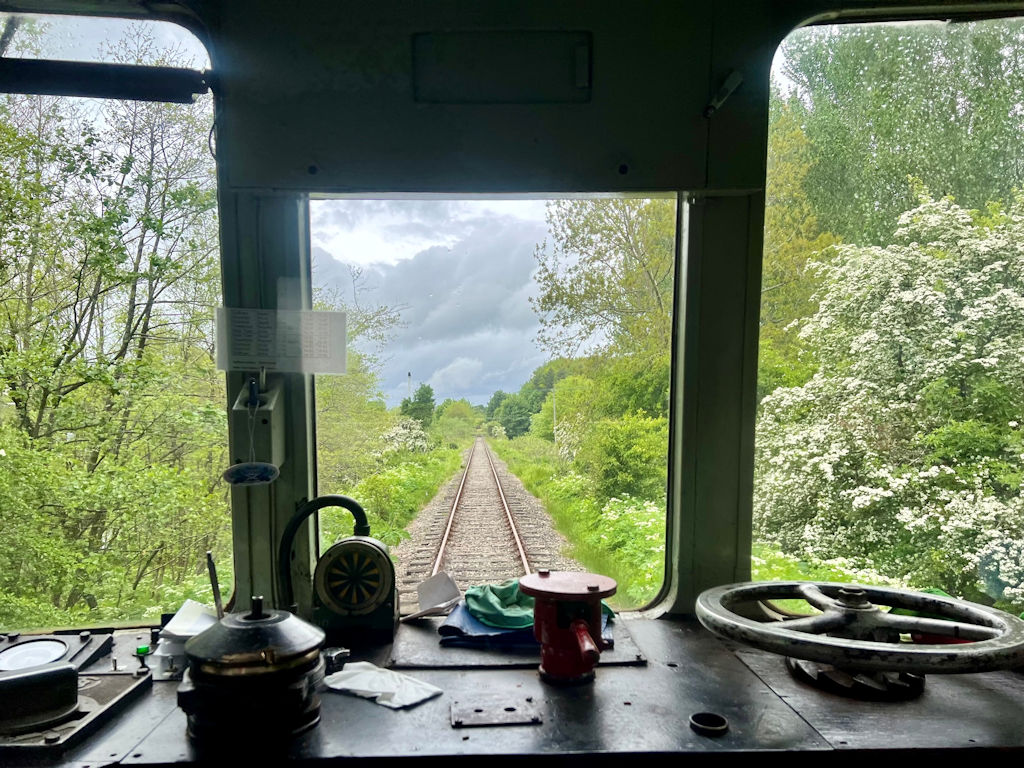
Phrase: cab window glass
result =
(891, 382)
(112, 423)
(541, 327)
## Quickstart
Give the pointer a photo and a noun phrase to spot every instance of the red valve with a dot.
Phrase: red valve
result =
(588, 650)
(567, 622)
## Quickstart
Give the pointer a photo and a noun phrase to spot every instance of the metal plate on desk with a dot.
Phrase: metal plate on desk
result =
(417, 646)
(496, 709)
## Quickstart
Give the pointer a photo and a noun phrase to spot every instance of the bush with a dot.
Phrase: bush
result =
(393, 496)
(626, 457)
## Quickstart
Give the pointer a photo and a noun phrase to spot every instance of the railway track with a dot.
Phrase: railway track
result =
(482, 528)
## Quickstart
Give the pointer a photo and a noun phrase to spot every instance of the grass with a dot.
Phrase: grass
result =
(393, 496)
(620, 538)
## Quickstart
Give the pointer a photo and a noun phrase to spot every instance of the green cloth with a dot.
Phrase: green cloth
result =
(504, 606)
(500, 605)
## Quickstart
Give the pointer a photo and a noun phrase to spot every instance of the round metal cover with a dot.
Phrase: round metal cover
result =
(567, 585)
(355, 576)
(31, 653)
(258, 642)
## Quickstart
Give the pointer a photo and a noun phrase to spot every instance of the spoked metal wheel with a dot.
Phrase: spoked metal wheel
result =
(853, 633)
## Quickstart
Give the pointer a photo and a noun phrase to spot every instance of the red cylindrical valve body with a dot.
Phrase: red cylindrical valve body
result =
(567, 622)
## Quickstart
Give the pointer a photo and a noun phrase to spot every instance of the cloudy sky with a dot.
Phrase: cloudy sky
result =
(462, 272)
(81, 38)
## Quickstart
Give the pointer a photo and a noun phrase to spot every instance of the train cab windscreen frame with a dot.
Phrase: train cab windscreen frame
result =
(728, 273)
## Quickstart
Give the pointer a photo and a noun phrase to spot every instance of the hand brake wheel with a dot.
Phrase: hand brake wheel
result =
(852, 633)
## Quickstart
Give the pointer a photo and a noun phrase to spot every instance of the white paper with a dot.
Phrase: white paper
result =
(282, 340)
(191, 619)
(385, 686)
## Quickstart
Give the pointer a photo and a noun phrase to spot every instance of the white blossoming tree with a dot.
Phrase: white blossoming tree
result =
(904, 452)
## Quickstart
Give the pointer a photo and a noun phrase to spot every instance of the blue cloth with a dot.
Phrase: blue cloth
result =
(461, 629)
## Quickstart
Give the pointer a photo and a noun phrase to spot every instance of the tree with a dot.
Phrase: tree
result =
(109, 278)
(606, 281)
(567, 414)
(456, 421)
(353, 423)
(494, 402)
(881, 103)
(514, 415)
(902, 452)
(420, 406)
(791, 237)
(626, 457)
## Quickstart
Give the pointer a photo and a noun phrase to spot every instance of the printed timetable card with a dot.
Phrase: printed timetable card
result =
(282, 340)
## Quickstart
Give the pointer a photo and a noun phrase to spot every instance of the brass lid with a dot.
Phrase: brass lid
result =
(259, 642)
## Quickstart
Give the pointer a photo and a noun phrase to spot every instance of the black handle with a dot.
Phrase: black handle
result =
(361, 528)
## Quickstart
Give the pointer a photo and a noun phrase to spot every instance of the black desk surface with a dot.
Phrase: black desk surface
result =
(639, 709)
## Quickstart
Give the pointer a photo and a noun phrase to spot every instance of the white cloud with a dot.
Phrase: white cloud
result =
(462, 271)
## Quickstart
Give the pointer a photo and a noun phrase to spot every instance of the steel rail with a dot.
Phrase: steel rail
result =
(504, 503)
(508, 514)
(451, 515)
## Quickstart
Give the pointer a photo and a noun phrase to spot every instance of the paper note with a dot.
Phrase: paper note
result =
(286, 341)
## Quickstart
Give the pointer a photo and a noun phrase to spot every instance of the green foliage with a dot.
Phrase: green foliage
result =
(606, 277)
(621, 537)
(113, 432)
(626, 457)
(420, 406)
(352, 425)
(495, 430)
(514, 415)
(456, 422)
(494, 402)
(902, 453)
(880, 103)
(791, 238)
(393, 495)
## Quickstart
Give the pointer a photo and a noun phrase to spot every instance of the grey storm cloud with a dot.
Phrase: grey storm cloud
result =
(468, 327)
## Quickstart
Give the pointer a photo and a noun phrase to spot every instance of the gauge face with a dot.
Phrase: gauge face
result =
(31, 653)
(354, 576)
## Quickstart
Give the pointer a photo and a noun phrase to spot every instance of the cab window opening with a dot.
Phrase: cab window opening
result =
(888, 446)
(111, 415)
(541, 326)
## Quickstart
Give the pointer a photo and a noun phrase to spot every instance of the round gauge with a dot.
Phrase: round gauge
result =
(31, 653)
(355, 576)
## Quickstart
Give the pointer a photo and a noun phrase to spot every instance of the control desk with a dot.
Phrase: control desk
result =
(641, 701)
